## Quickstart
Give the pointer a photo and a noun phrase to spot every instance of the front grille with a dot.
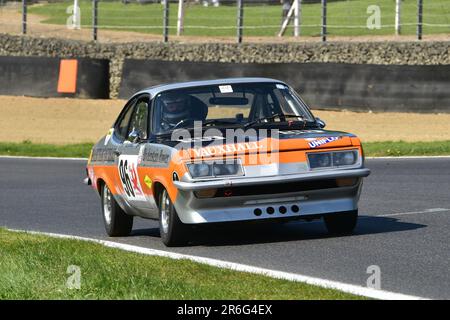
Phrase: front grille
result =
(276, 188)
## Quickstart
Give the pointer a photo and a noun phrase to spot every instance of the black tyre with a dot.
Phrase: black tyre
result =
(173, 232)
(117, 222)
(341, 223)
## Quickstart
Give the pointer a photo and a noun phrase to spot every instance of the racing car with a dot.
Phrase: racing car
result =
(226, 150)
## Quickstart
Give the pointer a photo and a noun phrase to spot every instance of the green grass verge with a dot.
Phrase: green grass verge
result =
(371, 149)
(401, 148)
(27, 148)
(258, 20)
(35, 267)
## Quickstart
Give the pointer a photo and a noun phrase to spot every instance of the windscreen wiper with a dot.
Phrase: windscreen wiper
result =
(282, 116)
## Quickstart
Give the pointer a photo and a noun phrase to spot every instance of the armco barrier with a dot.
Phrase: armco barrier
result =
(54, 77)
(358, 87)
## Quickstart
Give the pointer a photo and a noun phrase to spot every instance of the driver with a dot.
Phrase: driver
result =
(175, 109)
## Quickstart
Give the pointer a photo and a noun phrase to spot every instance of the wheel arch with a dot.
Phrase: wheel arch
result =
(99, 184)
(158, 188)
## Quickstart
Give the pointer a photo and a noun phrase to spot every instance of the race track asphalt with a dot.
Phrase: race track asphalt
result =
(397, 231)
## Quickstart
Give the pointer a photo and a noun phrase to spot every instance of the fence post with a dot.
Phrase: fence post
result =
(94, 19)
(296, 3)
(398, 9)
(166, 21)
(324, 20)
(24, 16)
(180, 20)
(240, 17)
(419, 19)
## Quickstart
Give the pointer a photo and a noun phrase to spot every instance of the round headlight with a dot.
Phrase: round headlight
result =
(225, 169)
(324, 160)
(348, 158)
(218, 170)
(199, 170)
(319, 160)
(232, 168)
(344, 158)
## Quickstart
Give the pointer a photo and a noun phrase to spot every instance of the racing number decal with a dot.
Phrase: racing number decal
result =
(129, 178)
(125, 178)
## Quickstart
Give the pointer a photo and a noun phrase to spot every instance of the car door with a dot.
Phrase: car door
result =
(128, 154)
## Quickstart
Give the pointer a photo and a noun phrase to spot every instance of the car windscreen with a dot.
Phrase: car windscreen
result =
(226, 105)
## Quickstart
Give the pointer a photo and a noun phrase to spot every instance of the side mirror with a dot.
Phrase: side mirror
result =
(135, 136)
(320, 123)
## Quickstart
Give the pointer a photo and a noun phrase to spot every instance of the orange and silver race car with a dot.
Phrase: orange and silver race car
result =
(227, 150)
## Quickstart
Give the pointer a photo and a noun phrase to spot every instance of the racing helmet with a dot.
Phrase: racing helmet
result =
(175, 107)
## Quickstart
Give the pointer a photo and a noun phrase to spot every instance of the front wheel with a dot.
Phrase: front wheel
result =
(117, 222)
(341, 223)
(173, 231)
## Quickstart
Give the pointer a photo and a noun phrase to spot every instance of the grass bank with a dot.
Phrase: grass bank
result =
(37, 267)
(371, 149)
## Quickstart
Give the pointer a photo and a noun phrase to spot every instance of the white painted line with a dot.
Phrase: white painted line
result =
(349, 288)
(433, 210)
(44, 158)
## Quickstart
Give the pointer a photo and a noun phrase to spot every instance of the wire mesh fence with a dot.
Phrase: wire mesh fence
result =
(233, 19)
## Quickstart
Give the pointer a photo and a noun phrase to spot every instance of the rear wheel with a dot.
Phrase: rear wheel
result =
(341, 223)
(117, 222)
(173, 231)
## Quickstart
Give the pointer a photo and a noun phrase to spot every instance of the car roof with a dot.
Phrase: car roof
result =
(154, 90)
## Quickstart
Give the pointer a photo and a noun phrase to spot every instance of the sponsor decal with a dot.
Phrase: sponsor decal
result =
(225, 149)
(148, 182)
(156, 156)
(129, 177)
(226, 89)
(319, 142)
(103, 155)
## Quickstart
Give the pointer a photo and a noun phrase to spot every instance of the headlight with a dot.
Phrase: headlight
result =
(332, 159)
(224, 169)
(319, 160)
(203, 170)
(344, 158)
(199, 170)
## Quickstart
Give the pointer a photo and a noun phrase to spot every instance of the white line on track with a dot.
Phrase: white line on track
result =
(349, 288)
(433, 210)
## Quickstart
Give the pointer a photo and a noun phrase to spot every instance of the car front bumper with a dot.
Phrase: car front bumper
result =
(272, 203)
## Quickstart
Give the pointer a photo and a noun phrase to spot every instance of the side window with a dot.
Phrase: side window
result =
(122, 126)
(140, 118)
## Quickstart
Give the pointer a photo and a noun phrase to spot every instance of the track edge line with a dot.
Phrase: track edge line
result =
(324, 283)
